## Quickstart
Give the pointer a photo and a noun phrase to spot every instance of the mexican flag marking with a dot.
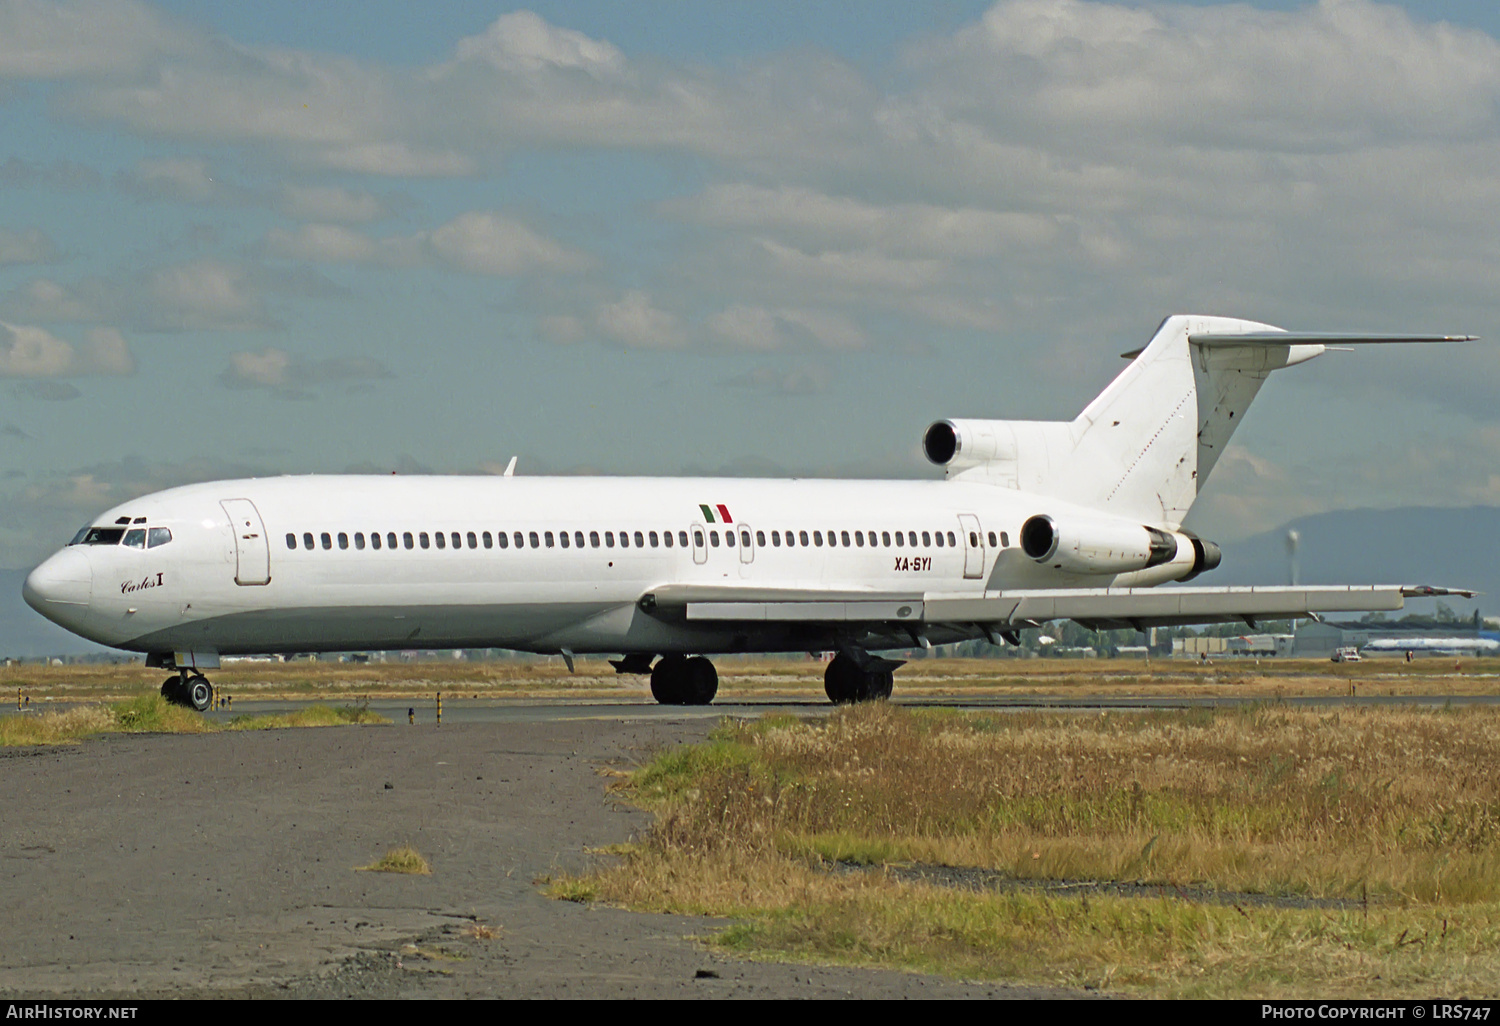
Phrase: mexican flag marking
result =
(723, 513)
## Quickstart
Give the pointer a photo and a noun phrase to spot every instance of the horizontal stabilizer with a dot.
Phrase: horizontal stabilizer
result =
(1314, 338)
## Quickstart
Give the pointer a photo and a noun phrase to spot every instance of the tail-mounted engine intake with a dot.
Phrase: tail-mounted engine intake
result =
(1097, 546)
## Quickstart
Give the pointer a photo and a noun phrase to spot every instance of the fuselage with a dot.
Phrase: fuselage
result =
(324, 563)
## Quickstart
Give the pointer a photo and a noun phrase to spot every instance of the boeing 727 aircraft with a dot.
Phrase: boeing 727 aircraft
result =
(1035, 521)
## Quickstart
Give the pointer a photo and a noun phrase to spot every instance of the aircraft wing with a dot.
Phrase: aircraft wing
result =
(1096, 608)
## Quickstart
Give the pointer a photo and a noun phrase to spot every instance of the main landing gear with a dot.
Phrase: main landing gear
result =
(849, 679)
(190, 689)
(677, 680)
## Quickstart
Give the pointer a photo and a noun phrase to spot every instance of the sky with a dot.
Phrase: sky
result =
(732, 237)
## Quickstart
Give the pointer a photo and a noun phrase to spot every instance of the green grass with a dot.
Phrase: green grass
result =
(152, 714)
(403, 859)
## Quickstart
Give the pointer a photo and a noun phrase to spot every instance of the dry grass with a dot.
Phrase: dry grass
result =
(1394, 807)
(150, 713)
(403, 859)
(799, 678)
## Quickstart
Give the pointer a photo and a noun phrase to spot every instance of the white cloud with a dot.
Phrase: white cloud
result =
(28, 246)
(46, 39)
(291, 377)
(636, 322)
(522, 41)
(330, 203)
(30, 352)
(204, 294)
(477, 242)
(485, 242)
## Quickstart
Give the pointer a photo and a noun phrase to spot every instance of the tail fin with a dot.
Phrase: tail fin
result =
(1145, 446)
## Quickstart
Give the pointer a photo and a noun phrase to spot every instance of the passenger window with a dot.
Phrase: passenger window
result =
(307, 540)
(520, 541)
(489, 542)
(939, 539)
(744, 537)
(653, 538)
(911, 538)
(343, 540)
(776, 539)
(375, 540)
(162, 535)
(624, 539)
(844, 538)
(640, 540)
(390, 540)
(359, 540)
(535, 539)
(682, 537)
(993, 543)
(291, 541)
(1004, 540)
(859, 539)
(547, 535)
(609, 539)
(926, 539)
(818, 539)
(791, 540)
(713, 538)
(327, 540)
(503, 539)
(974, 539)
(594, 539)
(760, 538)
(697, 537)
(135, 539)
(442, 542)
(564, 538)
(885, 538)
(729, 538)
(802, 537)
(833, 539)
(458, 540)
(424, 540)
(952, 541)
(406, 539)
(900, 539)
(578, 539)
(666, 538)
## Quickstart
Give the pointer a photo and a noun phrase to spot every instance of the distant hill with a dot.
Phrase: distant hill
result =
(1451, 547)
(1457, 548)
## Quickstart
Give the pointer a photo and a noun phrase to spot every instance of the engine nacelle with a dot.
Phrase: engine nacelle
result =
(968, 443)
(1097, 546)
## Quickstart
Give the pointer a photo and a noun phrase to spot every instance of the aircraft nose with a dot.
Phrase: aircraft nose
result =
(64, 579)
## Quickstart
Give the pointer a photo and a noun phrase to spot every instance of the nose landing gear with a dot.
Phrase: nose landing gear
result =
(190, 689)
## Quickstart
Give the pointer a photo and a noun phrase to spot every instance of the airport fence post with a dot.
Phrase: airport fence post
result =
(439, 708)
(411, 715)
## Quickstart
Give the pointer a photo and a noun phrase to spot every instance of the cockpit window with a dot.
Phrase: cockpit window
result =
(159, 536)
(135, 539)
(103, 536)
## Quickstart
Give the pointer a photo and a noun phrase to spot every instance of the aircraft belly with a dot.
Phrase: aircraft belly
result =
(347, 628)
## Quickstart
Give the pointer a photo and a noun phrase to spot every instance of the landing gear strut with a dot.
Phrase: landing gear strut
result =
(847, 681)
(676, 680)
(190, 689)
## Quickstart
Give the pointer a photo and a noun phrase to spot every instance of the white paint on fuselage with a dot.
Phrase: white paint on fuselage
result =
(184, 596)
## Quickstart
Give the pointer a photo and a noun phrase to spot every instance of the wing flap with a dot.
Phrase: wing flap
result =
(1314, 338)
(1095, 607)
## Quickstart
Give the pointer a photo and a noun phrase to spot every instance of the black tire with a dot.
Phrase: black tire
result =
(169, 688)
(669, 680)
(880, 685)
(198, 692)
(702, 681)
(843, 682)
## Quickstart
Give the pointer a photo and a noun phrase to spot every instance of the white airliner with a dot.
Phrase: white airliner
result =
(1035, 521)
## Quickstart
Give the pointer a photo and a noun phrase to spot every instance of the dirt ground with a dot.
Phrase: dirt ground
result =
(224, 865)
